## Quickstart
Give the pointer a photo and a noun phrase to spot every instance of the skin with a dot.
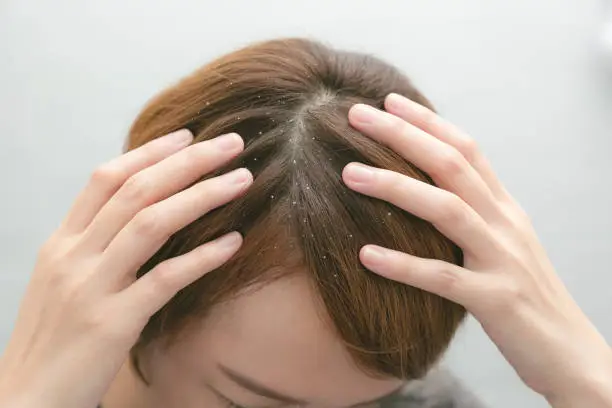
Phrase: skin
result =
(74, 307)
(290, 349)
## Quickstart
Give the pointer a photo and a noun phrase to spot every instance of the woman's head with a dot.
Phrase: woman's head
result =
(294, 309)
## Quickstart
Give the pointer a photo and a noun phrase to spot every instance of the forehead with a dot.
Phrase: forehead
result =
(279, 335)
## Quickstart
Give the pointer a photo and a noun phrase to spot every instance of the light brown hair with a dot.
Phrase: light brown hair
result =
(289, 100)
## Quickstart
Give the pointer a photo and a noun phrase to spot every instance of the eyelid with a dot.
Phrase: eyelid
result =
(223, 398)
(226, 400)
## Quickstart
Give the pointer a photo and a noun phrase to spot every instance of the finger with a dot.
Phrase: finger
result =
(158, 182)
(108, 178)
(151, 228)
(432, 275)
(446, 166)
(446, 211)
(430, 122)
(153, 290)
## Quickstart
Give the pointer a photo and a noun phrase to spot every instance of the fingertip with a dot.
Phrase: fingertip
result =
(230, 142)
(395, 102)
(362, 114)
(357, 173)
(242, 176)
(346, 171)
(181, 137)
(405, 108)
(230, 242)
(373, 255)
(239, 140)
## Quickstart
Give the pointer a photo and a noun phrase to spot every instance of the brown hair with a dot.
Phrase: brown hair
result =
(289, 100)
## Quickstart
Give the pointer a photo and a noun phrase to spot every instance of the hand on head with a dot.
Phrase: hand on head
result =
(507, 281)
(84, 308)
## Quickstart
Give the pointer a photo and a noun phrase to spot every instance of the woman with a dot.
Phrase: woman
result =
(321, 253)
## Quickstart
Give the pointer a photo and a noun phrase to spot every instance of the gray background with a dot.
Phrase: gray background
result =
(527, 78)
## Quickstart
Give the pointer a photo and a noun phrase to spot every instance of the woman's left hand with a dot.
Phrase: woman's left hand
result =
(507, 282)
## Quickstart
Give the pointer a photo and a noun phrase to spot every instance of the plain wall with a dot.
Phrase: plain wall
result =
(526, 78)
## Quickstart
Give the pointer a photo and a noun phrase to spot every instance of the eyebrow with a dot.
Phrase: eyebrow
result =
(263, 391)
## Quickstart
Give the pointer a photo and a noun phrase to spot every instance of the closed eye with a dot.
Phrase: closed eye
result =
(227, 403)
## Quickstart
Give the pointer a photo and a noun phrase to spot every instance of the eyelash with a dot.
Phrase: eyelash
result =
(229, 403)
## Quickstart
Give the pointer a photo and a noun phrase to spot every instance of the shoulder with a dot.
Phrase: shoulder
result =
(438, 389)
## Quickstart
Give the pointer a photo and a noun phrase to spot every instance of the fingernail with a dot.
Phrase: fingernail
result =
(396, 101)
(182, 137)
(230, 241)
(230, 141)
(373, 255)
(363, 114)
(239, 176)
(358, 173)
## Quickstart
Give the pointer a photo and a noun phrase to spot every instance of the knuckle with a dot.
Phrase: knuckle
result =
(468, 147)
(137, 189)
(48, 250)
(59, 245)
(391, 181)
(515, 217)
(57, 278)
(54, 261)
(448, 281)
(95, 319)
(451, 209)
(147, 223)
(507, 295)
(107, 175)
(103, 322)
(449, 162)
(522, 217)
(64, 285)
(162, 280)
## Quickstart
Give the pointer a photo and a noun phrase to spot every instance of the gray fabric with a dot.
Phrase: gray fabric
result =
(438, 389)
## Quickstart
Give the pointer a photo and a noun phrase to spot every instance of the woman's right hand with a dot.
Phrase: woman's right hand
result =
(84, 308)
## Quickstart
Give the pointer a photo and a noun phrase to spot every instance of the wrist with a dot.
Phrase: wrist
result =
(19, 390)
(15, 396)
(592, 388)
